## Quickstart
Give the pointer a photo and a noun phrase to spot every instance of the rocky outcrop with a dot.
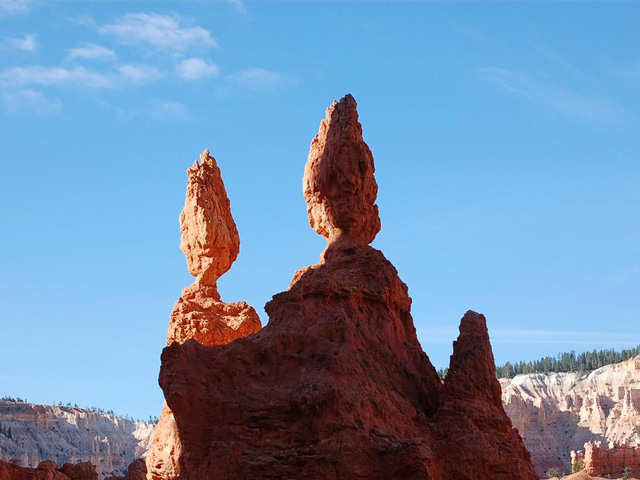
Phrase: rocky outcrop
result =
(211, 243)
(35, 433)
(559, 412)
(137, 470)
(336, 386)
(596, 459)
(47, 470)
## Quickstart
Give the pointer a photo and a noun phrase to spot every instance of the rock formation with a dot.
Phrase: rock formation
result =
(137, 470)
(559, 412)
(336, 386)
(35, 433)
(473, 431)
(596, 459)
(211, 243)
(47, 470)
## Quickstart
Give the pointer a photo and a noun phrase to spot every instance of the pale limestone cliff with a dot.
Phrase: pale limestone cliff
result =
(559, 412)
(34, 433)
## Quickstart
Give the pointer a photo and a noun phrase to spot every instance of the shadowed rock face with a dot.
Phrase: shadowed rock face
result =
(211, 244)
(336, 386)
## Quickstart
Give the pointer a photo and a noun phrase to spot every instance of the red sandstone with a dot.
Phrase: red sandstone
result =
(210, 243)
(48, 470)
(336, 386)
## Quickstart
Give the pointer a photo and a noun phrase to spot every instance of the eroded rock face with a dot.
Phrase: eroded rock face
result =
(560, 412)
(47, 470)
(211, 244)
(336, 386)
(137, 470)
(33, 433)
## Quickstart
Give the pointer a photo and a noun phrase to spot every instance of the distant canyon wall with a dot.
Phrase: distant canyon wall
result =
(559, 412)
(34, 433)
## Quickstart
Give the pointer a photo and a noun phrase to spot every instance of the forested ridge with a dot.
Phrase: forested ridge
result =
(563, 362)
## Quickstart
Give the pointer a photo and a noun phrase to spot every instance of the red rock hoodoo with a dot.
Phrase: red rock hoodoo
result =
(48, 470)
(336, 386)
(597, 460)
(137, 470)
(211, 243)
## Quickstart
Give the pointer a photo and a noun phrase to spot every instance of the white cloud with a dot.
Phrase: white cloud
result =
(162, 32)
(15, 6)
(28, 101)
(559, 99)
(140, 73)
(196, 69)
(91, 51)
(26, 44)
(37, 75)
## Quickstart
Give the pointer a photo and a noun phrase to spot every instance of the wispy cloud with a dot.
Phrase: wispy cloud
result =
(239, 4)
(28, 101)
(254, 80)
(14, 7)
(26, 44)
(91, 51)
(561, 100)
(140, 73)
(168, 110)
(59, 76)
(162, 32)
(196, 69)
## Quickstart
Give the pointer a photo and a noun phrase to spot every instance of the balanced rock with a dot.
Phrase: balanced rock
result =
(336, 386)
(211, 243)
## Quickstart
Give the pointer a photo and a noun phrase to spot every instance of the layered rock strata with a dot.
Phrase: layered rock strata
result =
(560, 412)
(336, 386)
(211, 243)
(48, 470)
(34, 433)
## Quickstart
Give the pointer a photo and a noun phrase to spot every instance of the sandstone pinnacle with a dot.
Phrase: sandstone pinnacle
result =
(338, 184)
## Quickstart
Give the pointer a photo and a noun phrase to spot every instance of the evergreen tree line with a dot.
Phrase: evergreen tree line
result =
(568, 362)
(563, 362)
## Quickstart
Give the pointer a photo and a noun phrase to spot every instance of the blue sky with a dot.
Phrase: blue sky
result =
(507, 154)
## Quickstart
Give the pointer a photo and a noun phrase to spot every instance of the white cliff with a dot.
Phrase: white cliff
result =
(33, 433)
(559, 412)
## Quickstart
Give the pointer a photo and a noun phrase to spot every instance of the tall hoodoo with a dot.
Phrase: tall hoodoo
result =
(336, 386)
(211, 243)
(338, 184)
(471, 428)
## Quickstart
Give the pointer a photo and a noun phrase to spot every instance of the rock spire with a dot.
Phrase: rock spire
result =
(211, 243)
(338, 183)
